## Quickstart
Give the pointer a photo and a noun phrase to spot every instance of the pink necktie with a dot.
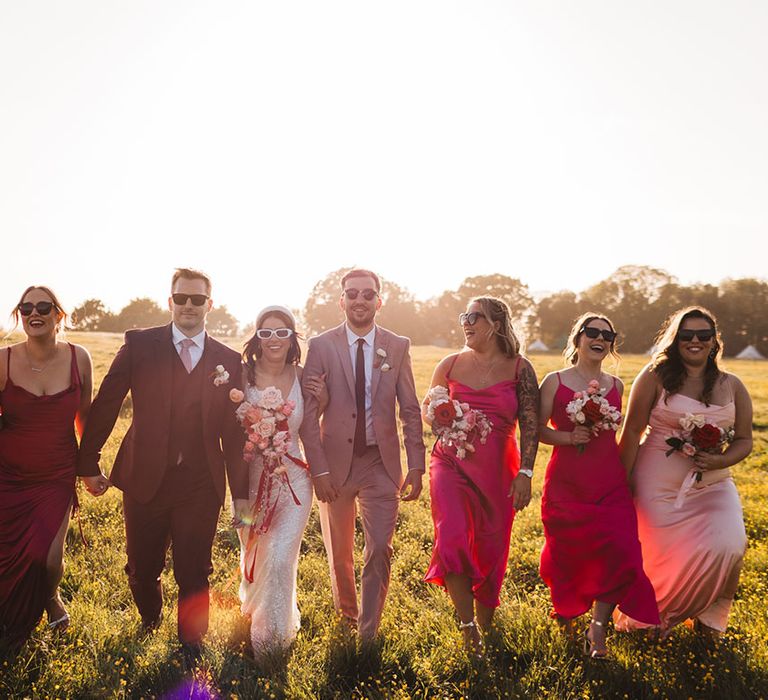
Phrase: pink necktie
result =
(185, 354)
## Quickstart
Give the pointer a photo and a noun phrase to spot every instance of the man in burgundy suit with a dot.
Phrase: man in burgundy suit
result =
(354, 449)
(172, 462)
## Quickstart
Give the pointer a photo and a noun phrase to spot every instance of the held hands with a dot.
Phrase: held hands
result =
(96, 485)
(411, 487)
(520, 492)
(580, 435)
(325, 489)
(241, 512)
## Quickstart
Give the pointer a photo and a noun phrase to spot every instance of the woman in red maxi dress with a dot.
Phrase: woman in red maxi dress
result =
(474, 499)
(591, 556)
(45, 388)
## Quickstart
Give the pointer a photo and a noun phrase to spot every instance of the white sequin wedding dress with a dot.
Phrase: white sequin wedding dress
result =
(270, 599)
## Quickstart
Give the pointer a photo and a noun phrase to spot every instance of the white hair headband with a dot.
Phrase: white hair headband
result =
(269, 309)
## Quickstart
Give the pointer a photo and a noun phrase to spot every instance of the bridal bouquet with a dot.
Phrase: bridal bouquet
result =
(455, 423)
(592, 409)
(267, 435)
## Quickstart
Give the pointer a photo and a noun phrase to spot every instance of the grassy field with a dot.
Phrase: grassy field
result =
(104, 653)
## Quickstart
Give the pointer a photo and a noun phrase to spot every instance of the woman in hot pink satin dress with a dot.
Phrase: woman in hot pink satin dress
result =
(474, 499)
(591, 556)
(691, 528)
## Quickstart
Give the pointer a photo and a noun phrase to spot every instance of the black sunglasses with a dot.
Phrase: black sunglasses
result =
(267, 333)
(471, 318)
(687, 335)
(197, 299)
(43, 307)
(591, 332)
(368, 294)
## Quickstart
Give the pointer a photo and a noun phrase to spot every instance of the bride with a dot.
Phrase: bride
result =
(269, 546)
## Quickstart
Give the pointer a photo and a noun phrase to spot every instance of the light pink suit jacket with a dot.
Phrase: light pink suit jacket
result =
(328, 442)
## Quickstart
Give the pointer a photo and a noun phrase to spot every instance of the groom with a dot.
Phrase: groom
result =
(354, 454)
(172, 461)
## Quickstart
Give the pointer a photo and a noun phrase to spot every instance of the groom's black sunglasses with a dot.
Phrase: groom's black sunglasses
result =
(197, 299)
(594, 332)
(368, 294)
(687, 335)
(43, 307)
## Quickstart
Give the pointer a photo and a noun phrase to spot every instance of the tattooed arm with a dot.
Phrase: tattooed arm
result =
(528, 418)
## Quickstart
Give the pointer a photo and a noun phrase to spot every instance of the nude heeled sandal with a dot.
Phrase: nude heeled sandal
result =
(476, 644)
(589, 649)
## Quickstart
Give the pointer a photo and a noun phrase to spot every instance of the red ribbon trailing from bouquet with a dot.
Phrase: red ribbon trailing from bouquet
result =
(264, 494)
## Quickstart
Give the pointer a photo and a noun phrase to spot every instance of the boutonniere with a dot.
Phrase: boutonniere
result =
(381, 360)
(220, 376)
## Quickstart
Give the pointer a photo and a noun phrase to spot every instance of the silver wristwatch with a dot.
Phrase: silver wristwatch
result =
(526, 472)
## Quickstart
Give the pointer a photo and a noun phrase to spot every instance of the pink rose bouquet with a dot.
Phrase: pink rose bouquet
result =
(456, 424)
(592, 409)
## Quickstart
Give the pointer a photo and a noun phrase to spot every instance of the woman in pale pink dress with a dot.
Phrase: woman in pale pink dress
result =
(689, 515)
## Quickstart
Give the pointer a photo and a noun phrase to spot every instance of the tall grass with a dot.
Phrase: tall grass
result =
(105, 654)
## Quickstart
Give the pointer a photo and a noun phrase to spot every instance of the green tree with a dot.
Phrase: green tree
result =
(92, 315)
(443, 311)
(554, 317)
(220, 322)
(627, 297)
(743, 319)
(141, 313)
(322, 311)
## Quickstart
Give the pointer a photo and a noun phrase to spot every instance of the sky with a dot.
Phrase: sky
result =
(270, 143)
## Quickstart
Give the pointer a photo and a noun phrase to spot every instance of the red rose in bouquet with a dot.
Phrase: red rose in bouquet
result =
(592, 413)
(445, 414)
(707, 437)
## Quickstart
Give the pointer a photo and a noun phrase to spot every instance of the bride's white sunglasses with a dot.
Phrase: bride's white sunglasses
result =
(267, 333)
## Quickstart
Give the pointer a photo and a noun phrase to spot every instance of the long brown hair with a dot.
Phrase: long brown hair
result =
(63, 322)
(667, 362)
(571, 352)
(496, 309)
(252, 350)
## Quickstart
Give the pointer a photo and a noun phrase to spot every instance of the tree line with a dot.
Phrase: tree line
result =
(637, 299)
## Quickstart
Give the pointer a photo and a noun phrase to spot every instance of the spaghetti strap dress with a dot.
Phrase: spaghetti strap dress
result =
(692, 532)
(471, 511)
(38, 448)
(591, 546)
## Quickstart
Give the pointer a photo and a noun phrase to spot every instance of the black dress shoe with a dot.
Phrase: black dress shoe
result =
(191, 652)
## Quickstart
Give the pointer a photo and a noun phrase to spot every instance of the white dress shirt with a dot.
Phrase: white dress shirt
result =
(196, 350)
(352, 338)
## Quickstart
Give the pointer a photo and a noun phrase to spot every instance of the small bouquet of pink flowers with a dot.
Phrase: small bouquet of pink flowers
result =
(592, 409)
(455, 423)
(698, 435)
(267, 435)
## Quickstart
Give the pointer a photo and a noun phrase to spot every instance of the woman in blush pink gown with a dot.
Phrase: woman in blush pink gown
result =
(689, 514)
(591, 556)
(474, 499)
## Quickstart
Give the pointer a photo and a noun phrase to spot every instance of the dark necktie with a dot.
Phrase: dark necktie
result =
(360, 441)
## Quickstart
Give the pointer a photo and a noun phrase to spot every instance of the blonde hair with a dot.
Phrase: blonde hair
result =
(496, 309)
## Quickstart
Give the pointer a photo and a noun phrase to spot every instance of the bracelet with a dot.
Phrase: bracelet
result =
(526, 472)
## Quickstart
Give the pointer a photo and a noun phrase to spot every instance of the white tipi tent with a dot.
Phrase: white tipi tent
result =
(750, 353)
(538, 345)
